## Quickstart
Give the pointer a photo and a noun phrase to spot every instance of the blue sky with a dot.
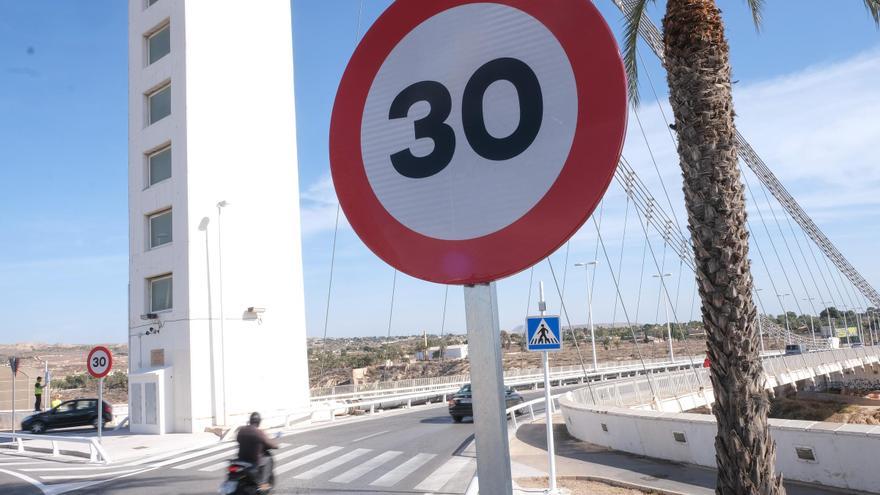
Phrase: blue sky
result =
(806, 98)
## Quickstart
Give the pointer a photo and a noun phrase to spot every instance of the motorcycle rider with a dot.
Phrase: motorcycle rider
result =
(252, 447)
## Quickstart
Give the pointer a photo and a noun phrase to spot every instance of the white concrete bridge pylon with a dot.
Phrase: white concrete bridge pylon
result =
(216, 306)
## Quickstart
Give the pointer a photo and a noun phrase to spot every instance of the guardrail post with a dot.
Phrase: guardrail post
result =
(372, 408)
(531, 412)
(20, 444)
(409, 403)
(93, 453)
(54, 448)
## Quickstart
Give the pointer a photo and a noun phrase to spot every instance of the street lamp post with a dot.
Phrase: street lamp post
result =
(859, 323)
(220, 206)
(872, 322)
(831, 331)
(760, 327)
(785, 313)
(590, 307)
(666, 309)
(812, 328)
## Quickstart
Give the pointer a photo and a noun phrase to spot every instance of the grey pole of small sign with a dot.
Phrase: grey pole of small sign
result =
(13, 367)
(487, 387)
(548, 400)
(100, 407)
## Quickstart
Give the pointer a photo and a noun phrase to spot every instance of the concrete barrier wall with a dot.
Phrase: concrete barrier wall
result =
(845, 456)
(6, 419)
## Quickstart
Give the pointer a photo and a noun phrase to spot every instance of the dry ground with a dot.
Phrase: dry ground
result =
(582, 487)
(834, 412)
(64, 360)
(814, 410)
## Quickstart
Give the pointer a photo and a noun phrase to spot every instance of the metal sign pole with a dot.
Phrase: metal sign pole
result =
(487, 386)
(548, 401)
(13, 398)
(100, 407)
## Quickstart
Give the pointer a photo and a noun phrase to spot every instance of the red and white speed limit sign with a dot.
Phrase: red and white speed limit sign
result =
(99, 362)
(471, 138)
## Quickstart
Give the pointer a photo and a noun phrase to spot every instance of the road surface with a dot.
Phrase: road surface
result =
(418, 450)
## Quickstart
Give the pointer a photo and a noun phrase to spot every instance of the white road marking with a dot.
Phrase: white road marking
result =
(332, 464)
(17, 463)
(284, 455)
(76, 468)
(370, 436)
(177, 459)
(148, 460)
(226, 454)
(305, 459)
(394, 476)
(357, 472)
(26, 478)
(438, 479)
(87, 476)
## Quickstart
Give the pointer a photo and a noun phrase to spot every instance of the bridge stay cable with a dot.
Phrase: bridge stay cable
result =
(790, 253)
(773, 246)
(668, 297)
(614, 278)
(620, 258)
(329, 291)
(357, 35)
(570, 331)
(651, 35)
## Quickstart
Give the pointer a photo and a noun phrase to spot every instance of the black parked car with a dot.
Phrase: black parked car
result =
(79, 412)
(460, 404)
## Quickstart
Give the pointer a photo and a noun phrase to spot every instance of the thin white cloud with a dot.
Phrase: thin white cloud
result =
(318, 208)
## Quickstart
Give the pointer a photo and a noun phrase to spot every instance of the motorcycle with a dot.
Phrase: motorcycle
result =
(242, 479)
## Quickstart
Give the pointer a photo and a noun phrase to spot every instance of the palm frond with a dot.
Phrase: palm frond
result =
(757, 8)
(873, 7)
(631, 45)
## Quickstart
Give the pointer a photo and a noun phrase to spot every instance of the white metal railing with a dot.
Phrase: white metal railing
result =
(625, 391)
(511, 377)
(96, 450)
(530, 405)
(332, 407)
(784, 369)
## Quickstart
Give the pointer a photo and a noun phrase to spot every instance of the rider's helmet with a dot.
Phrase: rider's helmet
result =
(255, 419)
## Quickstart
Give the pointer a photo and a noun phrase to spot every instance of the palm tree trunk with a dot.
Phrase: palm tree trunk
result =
(698, 71)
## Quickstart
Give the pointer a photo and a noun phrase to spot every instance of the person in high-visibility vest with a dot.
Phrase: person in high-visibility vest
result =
(38, 394)
(56, 402)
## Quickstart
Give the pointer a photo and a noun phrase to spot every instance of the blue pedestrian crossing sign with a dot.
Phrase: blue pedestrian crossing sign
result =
(543, 334)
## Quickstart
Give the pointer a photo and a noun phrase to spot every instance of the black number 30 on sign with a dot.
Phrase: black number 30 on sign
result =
(434, 126)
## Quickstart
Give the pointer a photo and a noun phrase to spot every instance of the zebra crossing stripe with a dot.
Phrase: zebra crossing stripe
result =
(394, 476)
(285, 455)
(66, 469)
(198, 453)
(291, 452)
(305, 459)
(227, 454)
(438, 479)
(327, 466)
(87, 476)
(176, 456)
(362, 469)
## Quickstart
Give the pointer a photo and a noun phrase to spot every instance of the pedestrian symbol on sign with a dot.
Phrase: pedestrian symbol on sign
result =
(543, 333)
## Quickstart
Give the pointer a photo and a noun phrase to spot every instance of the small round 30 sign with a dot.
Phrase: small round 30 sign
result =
(99, 362)
(471, 138)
